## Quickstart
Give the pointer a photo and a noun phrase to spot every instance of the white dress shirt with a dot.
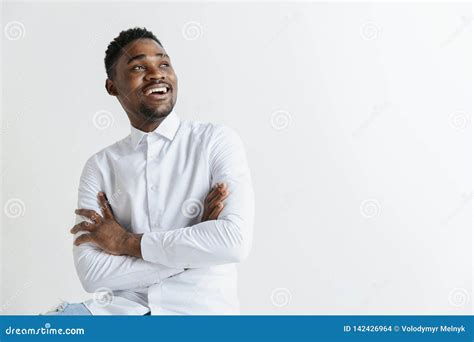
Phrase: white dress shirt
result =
(156, 183)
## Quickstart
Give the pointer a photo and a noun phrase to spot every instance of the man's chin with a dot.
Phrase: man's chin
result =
(155, 113)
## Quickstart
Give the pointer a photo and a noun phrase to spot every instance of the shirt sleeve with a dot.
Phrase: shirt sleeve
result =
(225, 240)
(98, 269)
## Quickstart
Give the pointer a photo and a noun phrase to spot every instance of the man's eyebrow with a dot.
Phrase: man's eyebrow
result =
(162, 55)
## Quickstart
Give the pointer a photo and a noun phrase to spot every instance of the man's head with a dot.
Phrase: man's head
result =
(140, 75)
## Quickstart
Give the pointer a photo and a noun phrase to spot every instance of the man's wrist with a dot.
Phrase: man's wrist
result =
(132, 245)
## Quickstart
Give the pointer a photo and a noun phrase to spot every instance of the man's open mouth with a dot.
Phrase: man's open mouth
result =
(159, 91)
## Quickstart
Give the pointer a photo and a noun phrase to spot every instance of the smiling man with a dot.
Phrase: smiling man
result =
(164, 242)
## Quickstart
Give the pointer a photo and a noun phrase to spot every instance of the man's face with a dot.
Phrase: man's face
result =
(143, 67)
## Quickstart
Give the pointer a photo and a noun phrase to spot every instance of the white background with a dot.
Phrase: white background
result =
(357, 122)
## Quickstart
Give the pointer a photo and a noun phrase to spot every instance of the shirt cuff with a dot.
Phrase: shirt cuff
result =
(152, 248)
(152, 251)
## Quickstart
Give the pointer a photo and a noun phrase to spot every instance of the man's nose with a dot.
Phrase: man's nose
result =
(155, 73)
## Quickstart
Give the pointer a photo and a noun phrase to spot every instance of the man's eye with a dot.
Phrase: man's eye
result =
(137, 66)
(165, 65)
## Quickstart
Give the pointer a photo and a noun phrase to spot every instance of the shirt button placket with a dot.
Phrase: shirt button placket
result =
(152, 190)
(149, 182)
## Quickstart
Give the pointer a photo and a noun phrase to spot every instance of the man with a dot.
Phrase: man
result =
(146, 245)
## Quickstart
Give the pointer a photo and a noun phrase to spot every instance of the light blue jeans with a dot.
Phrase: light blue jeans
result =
(70, 309)
(73, 309)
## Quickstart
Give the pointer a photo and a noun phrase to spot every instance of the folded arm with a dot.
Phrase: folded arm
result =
(96, 268)
(225, 240)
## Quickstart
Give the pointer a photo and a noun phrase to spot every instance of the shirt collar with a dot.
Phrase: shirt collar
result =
(167, 128)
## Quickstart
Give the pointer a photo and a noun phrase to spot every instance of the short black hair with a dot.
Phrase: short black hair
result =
(115, 47)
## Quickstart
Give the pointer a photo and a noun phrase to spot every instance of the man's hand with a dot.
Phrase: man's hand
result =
(213, 204)
(105, 231)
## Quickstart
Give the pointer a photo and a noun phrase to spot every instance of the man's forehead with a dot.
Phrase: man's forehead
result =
(146, 47)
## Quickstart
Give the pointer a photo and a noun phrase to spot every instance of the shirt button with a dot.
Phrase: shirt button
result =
(153, 188)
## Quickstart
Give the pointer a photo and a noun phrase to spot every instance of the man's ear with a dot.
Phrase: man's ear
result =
(109, 86)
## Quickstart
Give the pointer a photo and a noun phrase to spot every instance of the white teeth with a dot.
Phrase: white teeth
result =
(157, 90)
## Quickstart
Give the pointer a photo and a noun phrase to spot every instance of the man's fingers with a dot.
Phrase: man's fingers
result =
(84, 238)
(218, 199)
(215, 196)
(216, 211)
(211, 194)
(218, 190)
(91, 214)
(104, 205)
(82, 227)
